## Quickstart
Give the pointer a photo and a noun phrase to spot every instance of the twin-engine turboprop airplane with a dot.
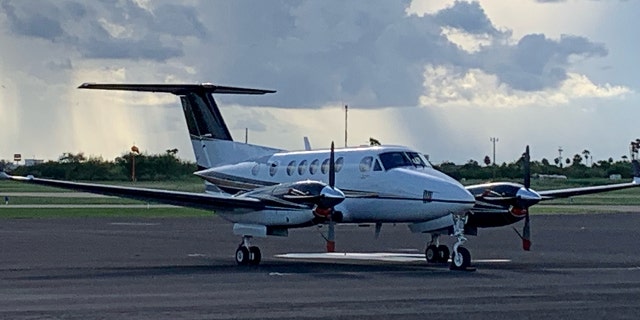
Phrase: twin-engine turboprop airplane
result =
(265, 191)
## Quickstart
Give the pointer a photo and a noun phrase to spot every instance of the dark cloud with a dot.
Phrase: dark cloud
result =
(362, 53)
(536, 62)
(33, 19)
(155, 34)
(467, 16)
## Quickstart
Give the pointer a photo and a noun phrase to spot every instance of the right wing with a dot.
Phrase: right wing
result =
(204, 201)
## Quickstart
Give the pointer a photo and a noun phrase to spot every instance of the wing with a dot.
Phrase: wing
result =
(565, 193)
(184, 199)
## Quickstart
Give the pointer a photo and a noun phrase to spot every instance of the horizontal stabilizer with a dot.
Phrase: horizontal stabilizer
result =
(177, 89)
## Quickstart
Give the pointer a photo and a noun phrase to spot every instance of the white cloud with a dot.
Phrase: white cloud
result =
(444, 87)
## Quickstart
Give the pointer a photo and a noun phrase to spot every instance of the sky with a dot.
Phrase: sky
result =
(439, 76)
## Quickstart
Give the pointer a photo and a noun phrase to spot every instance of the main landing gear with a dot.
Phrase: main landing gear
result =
(246, 254)
(436, 252)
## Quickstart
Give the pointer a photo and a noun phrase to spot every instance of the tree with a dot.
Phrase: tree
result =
(69, 157)
(172, 152)
(568, 161)
(586, 153)
(577, 159)
(487, 160)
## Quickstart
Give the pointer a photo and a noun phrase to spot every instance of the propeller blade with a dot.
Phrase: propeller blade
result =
(527, 168)
(526, 234)
(331, 235)
(332, 167)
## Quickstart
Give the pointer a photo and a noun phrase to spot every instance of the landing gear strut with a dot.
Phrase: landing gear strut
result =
(460, 258)
(246, 254)
(435, 251)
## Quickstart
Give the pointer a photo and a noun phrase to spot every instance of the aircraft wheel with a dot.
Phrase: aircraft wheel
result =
(460, 260)
(431, 253)
(254, 255)
(242, 256)
(443, 253)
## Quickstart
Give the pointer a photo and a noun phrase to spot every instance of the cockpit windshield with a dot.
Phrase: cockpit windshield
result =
(416, 159)
(396, 159)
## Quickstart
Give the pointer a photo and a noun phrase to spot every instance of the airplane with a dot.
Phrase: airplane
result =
(265, 191)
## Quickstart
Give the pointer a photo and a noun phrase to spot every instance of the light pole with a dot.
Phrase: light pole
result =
(134, 151)
(494, 140)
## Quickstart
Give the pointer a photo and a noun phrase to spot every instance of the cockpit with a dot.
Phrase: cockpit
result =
(395, 159)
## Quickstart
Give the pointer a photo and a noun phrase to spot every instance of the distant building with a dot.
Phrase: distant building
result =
(32, 162)
(552, 176)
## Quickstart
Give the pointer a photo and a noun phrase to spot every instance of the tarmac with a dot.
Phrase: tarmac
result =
(580, 267)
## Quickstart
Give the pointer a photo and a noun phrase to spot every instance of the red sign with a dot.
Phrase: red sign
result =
(17, 157)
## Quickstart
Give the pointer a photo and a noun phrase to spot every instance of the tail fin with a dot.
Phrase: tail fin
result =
(210, 137)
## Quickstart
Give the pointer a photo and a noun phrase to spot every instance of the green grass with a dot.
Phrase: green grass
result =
(54, 200)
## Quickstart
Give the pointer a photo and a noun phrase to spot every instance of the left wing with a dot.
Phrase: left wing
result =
(204, 201)
(565, 193)
(570, 192)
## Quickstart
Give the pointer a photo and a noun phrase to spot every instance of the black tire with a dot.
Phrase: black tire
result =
(443, 253)
(462, 260)
(431, 253)
(242, 256)
(254, 256)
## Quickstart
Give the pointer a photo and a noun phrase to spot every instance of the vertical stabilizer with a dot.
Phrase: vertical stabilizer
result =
(210, 137)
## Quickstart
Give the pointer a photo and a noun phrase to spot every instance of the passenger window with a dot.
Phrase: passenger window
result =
(365, 164)
(313, 167)
(302, 167)
(291, 167)
(273, 168)
(339, 164)
(325, 166)
(377, 166)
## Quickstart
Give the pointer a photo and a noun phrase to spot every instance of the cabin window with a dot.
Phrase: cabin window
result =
(365, 164)
(302, 167)
(377, 166)
(325, 166)
(291, 168)
(313, 167)
(339, 164)
(255, 169)
(273, 168)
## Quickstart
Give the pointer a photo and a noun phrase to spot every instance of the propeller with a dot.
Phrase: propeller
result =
(331, 232)
(526, 198)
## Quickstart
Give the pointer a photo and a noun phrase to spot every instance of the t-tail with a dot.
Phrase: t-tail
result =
(210, 137)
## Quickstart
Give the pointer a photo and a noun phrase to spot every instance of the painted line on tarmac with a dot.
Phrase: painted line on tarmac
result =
(134, 224)
(371, 256)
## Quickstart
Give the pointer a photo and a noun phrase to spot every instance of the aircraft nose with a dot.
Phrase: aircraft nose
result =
(457, 194)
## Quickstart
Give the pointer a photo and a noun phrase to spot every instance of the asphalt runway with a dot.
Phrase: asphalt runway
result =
(580, 267)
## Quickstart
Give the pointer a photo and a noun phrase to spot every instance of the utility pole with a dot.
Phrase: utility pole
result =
(346, 110)
(494, 140)
(246, 135)
(560, 156)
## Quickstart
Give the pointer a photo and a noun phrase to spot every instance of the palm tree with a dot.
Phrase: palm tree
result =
(586, 153)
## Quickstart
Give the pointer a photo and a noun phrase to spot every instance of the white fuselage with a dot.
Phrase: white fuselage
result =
(378, 188)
